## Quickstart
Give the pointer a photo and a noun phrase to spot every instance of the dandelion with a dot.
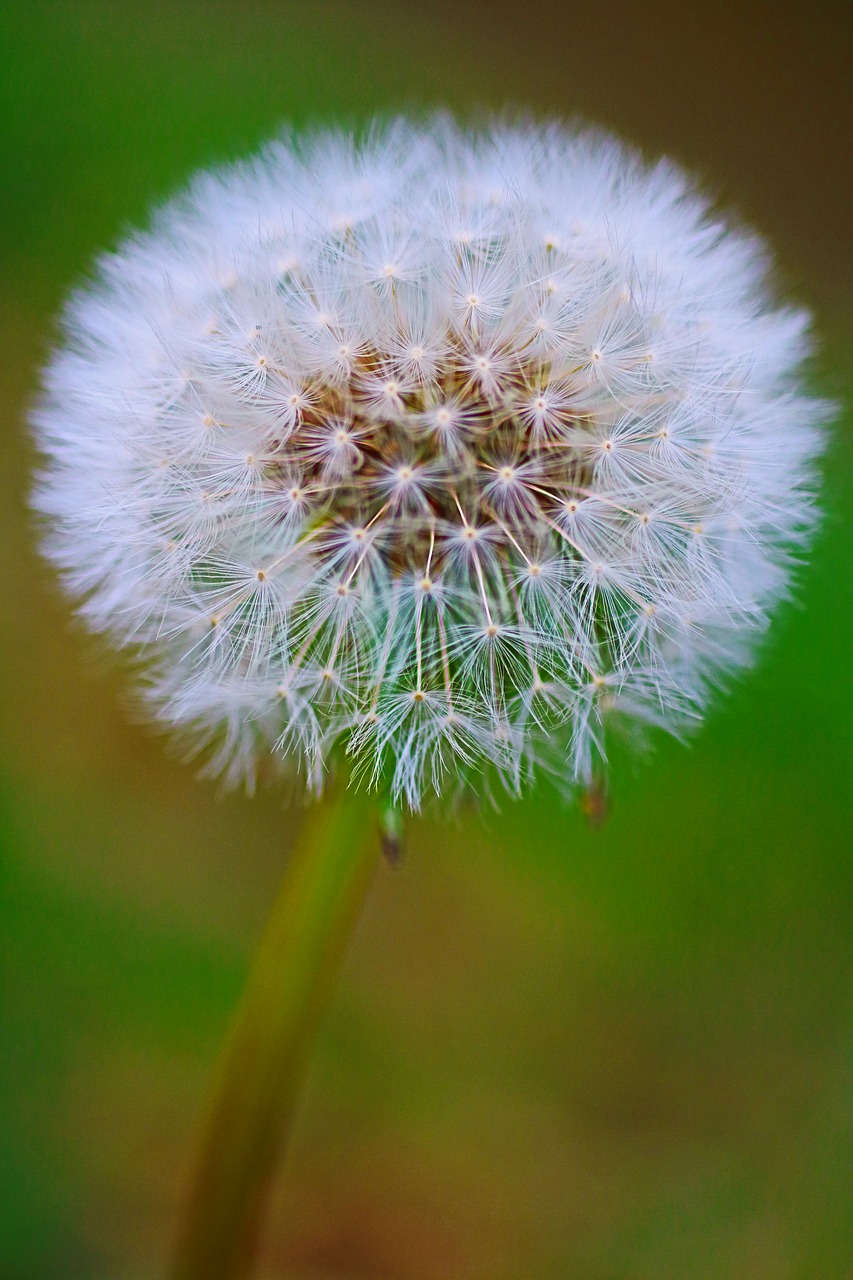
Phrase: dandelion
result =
(449, 451)
(345, 369)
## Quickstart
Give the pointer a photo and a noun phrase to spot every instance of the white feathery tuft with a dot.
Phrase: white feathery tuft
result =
(442, 448)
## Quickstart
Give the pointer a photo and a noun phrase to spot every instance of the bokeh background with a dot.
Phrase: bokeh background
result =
(558, 1051)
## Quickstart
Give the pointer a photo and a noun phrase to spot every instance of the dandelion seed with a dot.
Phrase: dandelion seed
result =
(498, 445)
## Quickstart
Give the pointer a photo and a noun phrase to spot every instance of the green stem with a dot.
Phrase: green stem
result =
(255, 1090)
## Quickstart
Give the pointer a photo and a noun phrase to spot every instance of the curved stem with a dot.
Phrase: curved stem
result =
(256, 1087)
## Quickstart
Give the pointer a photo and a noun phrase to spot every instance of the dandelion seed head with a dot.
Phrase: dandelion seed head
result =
(448, 450)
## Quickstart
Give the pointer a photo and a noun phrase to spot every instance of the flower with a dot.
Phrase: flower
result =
(444, 448)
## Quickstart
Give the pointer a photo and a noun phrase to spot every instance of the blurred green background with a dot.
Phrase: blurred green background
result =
(557, 1052)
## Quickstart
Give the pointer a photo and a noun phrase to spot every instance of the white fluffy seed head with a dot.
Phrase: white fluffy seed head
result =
(443, 449)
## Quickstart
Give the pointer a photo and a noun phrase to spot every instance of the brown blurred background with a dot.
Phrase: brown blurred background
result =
(557, 1052)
